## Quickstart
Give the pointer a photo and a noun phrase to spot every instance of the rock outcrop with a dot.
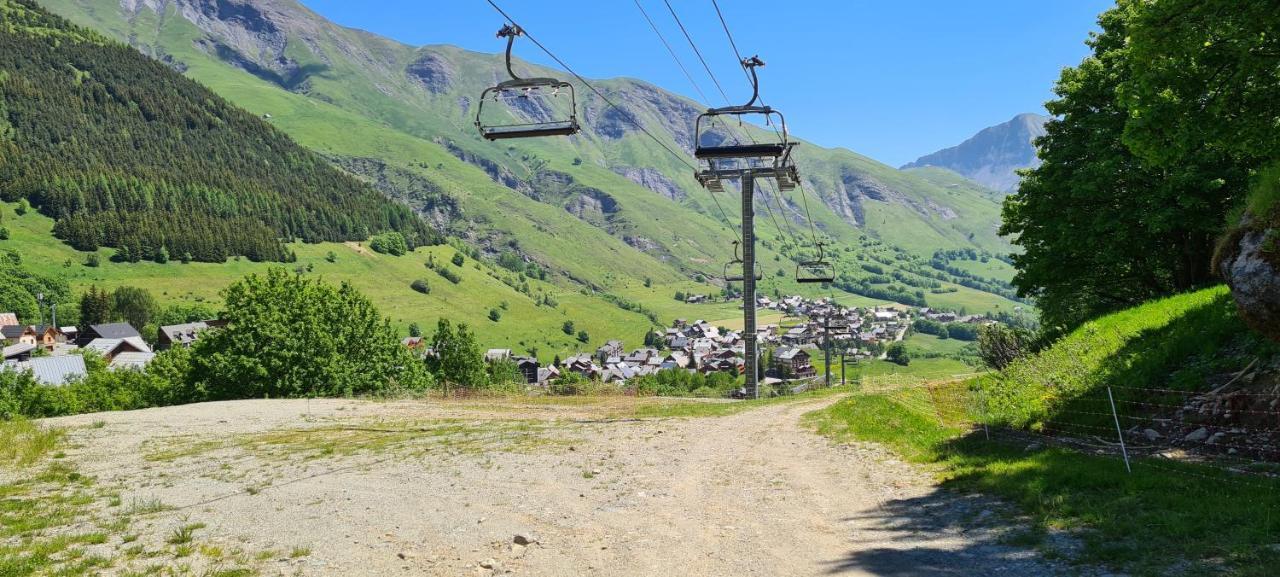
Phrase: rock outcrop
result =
(1249, 260)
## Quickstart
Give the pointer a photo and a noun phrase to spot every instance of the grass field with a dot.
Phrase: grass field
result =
(1149, 523)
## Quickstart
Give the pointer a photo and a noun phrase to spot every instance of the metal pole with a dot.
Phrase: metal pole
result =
(749, 283)
(826, 345)
(1119, 432)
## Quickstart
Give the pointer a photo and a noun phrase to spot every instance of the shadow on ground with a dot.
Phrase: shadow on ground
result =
(942, 533)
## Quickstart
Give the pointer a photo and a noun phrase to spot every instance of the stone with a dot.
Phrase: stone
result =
(1197, 435)
(491, 564)
(1151, 434)
(1254, 278)
(1217, 438)
(524, 539)
(1035, 446)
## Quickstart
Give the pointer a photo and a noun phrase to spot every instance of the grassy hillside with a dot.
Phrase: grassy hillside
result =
(1173, 343)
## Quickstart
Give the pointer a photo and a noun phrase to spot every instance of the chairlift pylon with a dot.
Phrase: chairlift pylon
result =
(525, 88)
(816, 271)
(733, 269)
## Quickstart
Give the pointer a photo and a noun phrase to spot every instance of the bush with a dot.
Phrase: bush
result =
(392, 243)
(330, 341)
(458, 259)
(583, 337)
(897, 354)
(93, 260)
(495, 315)
(999, 345)
(567, 328)
(421, 286)
(449, 275)
(331, 256)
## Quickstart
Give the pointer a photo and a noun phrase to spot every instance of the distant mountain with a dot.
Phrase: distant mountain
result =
(992, 155)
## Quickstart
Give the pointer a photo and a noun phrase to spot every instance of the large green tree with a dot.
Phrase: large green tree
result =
(457, 360)
(1103, 228)
(289, 336)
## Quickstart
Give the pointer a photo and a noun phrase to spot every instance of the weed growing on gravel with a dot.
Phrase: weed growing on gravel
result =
(23, 442)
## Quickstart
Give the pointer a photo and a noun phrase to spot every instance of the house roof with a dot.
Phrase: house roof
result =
(115, 330)
(18, 349)
(132, 360)
(497, 354)
(184, 333)
(12, 331)
(789, 353)
(7, 319)
(108, 346)
(57, 370)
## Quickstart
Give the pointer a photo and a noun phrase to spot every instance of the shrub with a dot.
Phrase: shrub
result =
(421, 286)
(495, 315)
(458, 259)
(567, 328)
(583, 337)
(449, 275)
(345, 346)
(331, 256)
(93, 260)
(392, 243)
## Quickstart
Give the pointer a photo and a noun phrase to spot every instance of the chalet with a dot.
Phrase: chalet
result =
(108, 331)
(695, 299)
(497, 355)
(583, 365)
(640, 356)
(108, 349)
(547, 374)
(610, 350)
(529, 368)
(798, 336)
(8, 319)
(45, 337)
(793, 363)
(182, 335)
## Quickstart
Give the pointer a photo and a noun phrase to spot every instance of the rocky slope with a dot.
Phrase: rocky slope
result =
(993, 155)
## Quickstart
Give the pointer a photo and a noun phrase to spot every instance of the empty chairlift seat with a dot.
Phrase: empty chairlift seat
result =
(540, 94)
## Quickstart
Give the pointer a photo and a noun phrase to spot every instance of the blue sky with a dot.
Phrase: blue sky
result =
(893, 79)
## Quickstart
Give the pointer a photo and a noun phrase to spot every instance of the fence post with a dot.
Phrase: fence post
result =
(1119, 432)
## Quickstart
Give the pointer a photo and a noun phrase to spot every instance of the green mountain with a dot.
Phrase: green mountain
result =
(125, 153)
(608, 211)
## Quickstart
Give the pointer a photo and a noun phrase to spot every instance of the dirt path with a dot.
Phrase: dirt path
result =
(357, 488)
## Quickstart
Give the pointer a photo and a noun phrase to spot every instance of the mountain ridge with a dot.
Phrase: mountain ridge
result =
(993, 155)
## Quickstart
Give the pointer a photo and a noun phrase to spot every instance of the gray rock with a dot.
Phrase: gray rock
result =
(1217, 438)
(1197, 435)
(1151, 434)
(524, 539)
(1254, 278)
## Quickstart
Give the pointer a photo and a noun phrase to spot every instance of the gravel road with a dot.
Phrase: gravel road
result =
(430, 488)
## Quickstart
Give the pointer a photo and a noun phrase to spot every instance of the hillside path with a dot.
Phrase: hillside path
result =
(754, 493)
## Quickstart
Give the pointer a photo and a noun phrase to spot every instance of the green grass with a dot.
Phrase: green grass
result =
(1172, 343)
(23, 443)
(1147, 523)
(684, 408)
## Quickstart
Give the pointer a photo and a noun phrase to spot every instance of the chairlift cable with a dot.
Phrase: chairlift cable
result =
(602, 96)
(635, 121)
(697, 52)
(672, 51)
(725, 24)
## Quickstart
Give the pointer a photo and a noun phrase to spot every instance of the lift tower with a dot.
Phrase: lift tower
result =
(720, 161)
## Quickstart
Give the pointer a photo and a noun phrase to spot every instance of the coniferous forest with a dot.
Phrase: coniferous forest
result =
(124, 152)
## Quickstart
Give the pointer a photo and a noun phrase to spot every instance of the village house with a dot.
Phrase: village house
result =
(497, 355)
(45, 337)
(108, 349)
(108, 331)
(609, 350)
(182, 335)
(793, 363)
(529, 369)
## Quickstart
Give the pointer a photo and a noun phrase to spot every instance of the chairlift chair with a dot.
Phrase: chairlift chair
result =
(525, 88)
(816, 271)
(764, 155)
(733, 269)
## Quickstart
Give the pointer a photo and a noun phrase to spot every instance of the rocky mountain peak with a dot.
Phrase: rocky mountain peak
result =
(993, 155)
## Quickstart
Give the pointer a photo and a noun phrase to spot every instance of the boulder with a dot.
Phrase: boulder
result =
(1249, 260)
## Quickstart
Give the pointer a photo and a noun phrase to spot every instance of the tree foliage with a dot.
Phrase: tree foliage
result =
(124, 152)
(1104, 228)
(457, 360)
(289, 336)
